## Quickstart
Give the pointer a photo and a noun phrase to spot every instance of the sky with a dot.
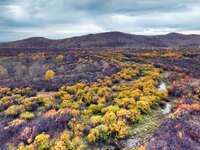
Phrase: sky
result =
(57, 19)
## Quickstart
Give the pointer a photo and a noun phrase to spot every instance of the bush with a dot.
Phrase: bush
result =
(98, 133)
(59, 58)
(95, 120)
(69, 142)
(127, 77)
(27, 115)
(5, 102)
(49, 75)
(15, 123)
(41, 141)
(14, 110)
(143, 106)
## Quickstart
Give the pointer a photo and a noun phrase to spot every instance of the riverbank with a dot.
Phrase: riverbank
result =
(142, 132)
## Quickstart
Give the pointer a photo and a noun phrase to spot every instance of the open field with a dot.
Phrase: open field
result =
(98, 98)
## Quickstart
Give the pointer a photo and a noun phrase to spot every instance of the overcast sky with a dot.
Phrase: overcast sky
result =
(58, 19)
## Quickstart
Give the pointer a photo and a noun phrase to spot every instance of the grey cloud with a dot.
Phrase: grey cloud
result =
(73, 16)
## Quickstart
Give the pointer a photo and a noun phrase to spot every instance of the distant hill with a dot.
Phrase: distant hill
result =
(108, 39)
(33, 42)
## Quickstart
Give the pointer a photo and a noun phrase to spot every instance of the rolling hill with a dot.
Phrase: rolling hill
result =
(108, 39)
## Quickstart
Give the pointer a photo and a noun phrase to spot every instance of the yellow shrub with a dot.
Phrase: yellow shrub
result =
(49, 75)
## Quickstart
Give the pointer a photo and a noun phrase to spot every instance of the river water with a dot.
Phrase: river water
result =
(167, 108)
(162, 86)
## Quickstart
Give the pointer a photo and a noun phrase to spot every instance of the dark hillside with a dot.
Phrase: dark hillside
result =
(108, 39)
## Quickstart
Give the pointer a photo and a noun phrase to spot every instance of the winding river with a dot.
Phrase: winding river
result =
(167, 108)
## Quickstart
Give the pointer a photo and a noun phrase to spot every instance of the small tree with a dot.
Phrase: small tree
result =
(49, 75)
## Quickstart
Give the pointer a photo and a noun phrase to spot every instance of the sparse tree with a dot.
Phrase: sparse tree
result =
(49, 75)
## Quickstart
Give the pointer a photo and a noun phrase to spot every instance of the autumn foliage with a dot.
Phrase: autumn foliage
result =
(49, 75)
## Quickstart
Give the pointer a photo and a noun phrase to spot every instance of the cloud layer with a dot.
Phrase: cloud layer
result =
(64, 18)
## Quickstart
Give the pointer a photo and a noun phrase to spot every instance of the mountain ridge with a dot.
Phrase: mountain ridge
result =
(108, 39)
